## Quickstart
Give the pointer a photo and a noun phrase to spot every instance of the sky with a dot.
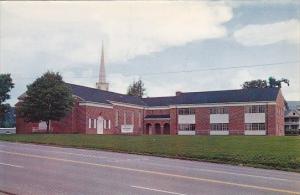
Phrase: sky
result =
(171, 45)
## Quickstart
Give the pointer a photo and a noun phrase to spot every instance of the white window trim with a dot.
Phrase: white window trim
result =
(95, 123)
(90, 123)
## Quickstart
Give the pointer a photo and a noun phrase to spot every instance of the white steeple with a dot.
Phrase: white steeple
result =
(102, 84)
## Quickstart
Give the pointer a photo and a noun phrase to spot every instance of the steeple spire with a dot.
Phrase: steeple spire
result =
(102, 84)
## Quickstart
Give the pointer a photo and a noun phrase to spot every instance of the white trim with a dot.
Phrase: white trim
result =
(94, 104)
(186, 132)
(157, 108)
(148, 119)
(222, 104)
(187, 119)
(126, 105)
(95, 123)
(219, 118)
(90, 123)
(255, 118)
(255, 132)
(212, 132)
(78, 97)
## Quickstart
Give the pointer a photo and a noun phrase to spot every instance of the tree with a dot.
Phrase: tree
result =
(6, 84)
(9, 118)
(255, 84)
(47, 98)
(277, 83)
(272, 82)
(136, 89)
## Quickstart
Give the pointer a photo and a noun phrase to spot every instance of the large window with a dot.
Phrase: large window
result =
(92, 123)
(255, 109)
(219, 126)
(219, 110)
(186, 111)
(255, 126)
(187, 127)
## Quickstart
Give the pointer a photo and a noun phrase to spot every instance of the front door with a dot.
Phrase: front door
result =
(100, 122)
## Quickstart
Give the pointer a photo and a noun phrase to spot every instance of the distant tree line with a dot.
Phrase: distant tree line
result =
(259, 83)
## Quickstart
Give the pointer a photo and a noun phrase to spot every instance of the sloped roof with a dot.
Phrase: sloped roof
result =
(225, 96)
(292, 113)
(101, 96)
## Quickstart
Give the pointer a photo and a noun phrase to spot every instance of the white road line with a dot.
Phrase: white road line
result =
(222, 172)
(18, 166)
(161, 165)
(216, 181)
(60, 152)
(156, 190)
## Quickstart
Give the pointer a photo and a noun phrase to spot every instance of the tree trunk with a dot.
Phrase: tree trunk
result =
(47, 122)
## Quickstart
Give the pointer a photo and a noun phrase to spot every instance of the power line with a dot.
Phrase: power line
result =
(221, 68)
(189, 71)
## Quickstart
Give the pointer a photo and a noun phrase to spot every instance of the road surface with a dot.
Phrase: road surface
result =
(37, 169)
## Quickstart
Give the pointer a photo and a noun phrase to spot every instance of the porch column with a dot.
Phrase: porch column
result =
(161, 129)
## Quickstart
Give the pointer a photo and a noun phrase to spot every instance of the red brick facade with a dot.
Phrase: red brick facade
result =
(118, 114)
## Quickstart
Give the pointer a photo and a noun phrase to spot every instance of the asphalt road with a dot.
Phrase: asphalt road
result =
(37, 169)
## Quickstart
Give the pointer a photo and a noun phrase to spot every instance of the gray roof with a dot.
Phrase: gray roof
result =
(225, 96)
(101, 96)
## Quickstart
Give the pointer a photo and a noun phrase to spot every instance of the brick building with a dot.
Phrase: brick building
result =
(229, 112)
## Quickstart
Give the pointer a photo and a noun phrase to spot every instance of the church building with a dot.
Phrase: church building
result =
(257, 111)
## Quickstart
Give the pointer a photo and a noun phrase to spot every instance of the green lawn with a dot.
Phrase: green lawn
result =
(258, 151)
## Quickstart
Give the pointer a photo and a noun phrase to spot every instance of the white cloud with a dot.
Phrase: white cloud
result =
(251, 35)
(129, 29)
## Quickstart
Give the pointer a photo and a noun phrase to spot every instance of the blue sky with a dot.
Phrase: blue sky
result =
(142, 38)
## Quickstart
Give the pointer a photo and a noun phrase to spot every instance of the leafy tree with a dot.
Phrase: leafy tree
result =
(6, 84)
(272, 82)
(277, 83)
(255, 84)
(136, 89)
(9, 118)
(47, 98)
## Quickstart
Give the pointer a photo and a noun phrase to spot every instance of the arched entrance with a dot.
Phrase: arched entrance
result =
(148, 128)
(157, 128)
(100, 125)
(166, 130)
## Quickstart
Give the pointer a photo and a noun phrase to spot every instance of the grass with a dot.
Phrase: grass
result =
(257, 151)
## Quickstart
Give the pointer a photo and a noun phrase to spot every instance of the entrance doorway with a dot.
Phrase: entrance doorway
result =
(148, 128)
(157, 128)
(100, 125)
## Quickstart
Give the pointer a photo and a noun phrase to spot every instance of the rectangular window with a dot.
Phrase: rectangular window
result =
(187, 127)
(255, 109)
(117, 118)
(186, 111)
(132, 118)
(125, 117)
(95, 123)
(219, 110)
(219, 126)
(90, 123)
(255, 126)
(140, 119)
(107, 124)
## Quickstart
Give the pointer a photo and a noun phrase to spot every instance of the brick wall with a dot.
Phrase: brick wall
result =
(236, 120)
(202, 121)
